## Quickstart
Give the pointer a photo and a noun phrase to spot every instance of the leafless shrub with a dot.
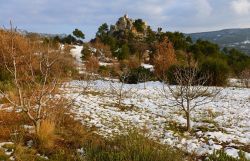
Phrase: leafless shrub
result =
(92, 64)
(144, 77)
(245, 77)
(119, 91)
(190, 91)
(102, 48)
(31, 74)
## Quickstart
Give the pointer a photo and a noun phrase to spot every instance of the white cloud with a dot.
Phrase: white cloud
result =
(241, 7)
(203, 8)
(183, 15)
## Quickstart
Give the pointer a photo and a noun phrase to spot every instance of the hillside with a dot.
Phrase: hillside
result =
(130, 94)
(231, 38)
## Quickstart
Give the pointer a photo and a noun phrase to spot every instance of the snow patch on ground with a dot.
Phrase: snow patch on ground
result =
(76, 52)
(227, 126)
(148, 66)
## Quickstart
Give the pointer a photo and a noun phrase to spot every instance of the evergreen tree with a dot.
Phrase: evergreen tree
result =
(238, 61)
(69, 39)
(102, 30)
(124, 53)
(139, 25)
(79, 34)
(86, 52)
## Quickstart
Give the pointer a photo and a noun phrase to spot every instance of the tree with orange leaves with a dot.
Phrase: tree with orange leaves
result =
(164, 57)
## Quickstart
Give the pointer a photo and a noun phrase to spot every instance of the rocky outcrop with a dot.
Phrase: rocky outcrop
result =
(125, 24)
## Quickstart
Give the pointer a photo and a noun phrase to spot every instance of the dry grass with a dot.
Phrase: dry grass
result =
(3, 156)
(10, 123)
(59, 140)
(92, 64)
(46, 135)
(23, 153)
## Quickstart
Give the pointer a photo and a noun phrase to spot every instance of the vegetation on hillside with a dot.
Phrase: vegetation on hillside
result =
(134, 39)
(33, 69)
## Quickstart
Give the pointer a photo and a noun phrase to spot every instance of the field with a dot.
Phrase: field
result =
(220, 124)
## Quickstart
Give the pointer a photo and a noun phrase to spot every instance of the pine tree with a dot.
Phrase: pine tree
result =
(79, 34)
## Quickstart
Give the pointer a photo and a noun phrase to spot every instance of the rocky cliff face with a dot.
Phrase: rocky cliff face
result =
(125, 24)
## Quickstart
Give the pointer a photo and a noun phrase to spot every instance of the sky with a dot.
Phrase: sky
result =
(63, 16)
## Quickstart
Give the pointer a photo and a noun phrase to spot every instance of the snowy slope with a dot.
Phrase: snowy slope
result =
(221, 124)
(76, 52)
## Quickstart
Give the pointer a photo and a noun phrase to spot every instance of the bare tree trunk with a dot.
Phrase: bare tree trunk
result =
(190, 91)
(188, 115)
(188, 122)
(38, 126)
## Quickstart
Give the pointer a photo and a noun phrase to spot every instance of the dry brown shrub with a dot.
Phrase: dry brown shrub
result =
(131, 63)
(65, 66)
(116, 69)
(11, 123)
(164, 57)
(67, 48)
(13, 44)
(28, 50)
(46, 134)
(35, 69)
(105, 49)
(92, 64)
(245, 77)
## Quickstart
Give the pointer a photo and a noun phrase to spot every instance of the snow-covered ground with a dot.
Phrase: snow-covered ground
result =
(148, 66)
(6, 151)
(76, 52)
(221, 124)
(238, 82)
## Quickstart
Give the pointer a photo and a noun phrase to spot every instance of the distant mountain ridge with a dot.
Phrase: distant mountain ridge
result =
(25, 32)
(230, 38)
(238, 38)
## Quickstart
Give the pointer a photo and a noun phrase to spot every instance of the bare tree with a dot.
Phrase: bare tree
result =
(32, 77)
(144, 77)
(118, 89)
(245, 77)
(92, 65)
(190, 91)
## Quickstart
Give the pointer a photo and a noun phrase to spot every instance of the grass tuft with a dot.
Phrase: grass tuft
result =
(46, 134)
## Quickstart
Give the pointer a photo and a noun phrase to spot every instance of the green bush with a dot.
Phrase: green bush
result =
(139, 25)
(86, 52)
(5, 80)
(139, 75)
(238, 61)
(124, 52)
(132, 147)
(104, 70)
(217, 70)
(3, 156)
(170, 74)
(222, 156)
(69, 39)
(4, 75)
